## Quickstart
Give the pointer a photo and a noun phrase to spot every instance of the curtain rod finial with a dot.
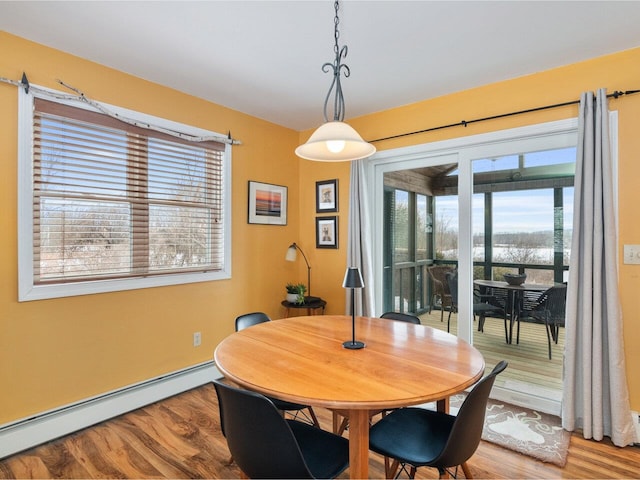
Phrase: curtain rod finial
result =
(25, 82)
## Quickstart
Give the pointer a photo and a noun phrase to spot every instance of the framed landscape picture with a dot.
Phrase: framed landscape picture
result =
(326, 232)
(327, 196)
(267, 204)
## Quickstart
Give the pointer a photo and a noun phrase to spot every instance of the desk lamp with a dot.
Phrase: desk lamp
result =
(290, 256)
(353, 280)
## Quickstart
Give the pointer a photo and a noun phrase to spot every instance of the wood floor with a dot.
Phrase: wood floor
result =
(180, 438)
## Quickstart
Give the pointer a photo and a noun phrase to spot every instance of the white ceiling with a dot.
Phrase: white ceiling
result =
(264, 57)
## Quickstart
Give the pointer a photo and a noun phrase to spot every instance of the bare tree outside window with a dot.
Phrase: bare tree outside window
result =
(112, 203)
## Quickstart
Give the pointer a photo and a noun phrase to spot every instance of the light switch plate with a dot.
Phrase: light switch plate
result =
(632, 254)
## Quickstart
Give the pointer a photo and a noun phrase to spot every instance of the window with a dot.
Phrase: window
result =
(525, 228)
(111, 206)
(408, 234)
(446, 227)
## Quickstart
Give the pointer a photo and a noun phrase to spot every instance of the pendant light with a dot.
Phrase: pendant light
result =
(335, 141)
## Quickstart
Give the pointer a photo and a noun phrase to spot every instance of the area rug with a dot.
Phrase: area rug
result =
(523, 430)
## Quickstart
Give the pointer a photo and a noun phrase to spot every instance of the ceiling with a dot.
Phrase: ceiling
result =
(264, 57)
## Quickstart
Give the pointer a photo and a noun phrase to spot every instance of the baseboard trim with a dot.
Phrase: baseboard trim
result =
(29, 432)
(636, 423)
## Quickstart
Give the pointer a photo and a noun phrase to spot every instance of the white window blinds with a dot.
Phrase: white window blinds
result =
(112, 200)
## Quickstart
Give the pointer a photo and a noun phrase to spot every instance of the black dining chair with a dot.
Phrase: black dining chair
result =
(415, 437)
(549, 309)
(255, 318)
(482, 309)
(402, 317)
(265, 445)
(250, 319)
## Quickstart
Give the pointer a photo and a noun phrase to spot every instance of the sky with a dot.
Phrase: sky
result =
(521, 211)
(516, 211)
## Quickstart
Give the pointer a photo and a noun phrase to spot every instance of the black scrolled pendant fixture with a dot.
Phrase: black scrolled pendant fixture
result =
(335, 141)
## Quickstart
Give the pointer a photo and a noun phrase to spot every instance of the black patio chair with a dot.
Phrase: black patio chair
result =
(550, 309)
(482, 309)
(441, 295)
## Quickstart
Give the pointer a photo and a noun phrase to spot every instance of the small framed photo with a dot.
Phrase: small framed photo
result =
(326, 232)
(267, 204)
(327, 196)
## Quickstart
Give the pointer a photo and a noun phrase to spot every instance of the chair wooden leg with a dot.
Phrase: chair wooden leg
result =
(390, 469)
(340, 423)
(314, 419)
(467, 472)
(343, 426)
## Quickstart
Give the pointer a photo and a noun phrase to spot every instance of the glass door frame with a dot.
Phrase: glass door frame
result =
(551, 135)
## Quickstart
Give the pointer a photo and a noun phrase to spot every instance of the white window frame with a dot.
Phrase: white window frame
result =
(27, 291)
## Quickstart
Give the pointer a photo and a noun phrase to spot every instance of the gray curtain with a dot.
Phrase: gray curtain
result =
(596, 397)
(359, 241)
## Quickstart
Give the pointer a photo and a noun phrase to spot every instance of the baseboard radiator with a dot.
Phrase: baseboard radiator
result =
(30, 432)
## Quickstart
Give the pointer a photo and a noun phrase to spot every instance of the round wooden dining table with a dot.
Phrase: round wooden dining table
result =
(302, 359)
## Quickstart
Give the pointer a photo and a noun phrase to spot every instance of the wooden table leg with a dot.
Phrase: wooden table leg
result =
(358, 444)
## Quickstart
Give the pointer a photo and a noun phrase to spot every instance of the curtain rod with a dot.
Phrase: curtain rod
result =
(464, 123)
(81, 97)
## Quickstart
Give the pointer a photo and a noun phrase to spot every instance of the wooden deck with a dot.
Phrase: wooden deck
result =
(530, 370)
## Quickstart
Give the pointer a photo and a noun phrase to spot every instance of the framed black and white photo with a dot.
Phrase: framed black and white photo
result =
(327, 196)
(326, 232)
(267, 204)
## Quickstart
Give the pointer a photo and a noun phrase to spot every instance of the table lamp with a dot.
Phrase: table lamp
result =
(290, 256)
(353, 280)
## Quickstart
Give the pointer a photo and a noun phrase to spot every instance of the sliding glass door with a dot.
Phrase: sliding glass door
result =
(484, 206)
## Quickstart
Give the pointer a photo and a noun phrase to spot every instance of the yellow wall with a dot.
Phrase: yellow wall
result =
(54, 352)
(620, 71)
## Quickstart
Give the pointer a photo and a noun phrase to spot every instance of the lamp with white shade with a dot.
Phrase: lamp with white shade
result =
(335, 141)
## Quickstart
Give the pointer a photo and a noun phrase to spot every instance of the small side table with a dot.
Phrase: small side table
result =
(313, 308)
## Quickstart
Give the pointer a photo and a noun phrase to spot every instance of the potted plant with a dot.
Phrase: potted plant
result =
(295, 292)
